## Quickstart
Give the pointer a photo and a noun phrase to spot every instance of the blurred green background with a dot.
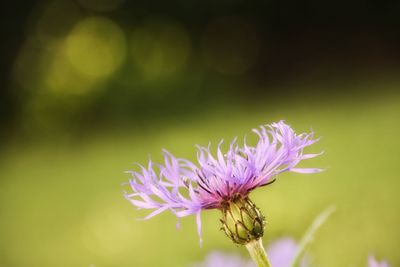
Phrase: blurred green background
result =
(88, 87)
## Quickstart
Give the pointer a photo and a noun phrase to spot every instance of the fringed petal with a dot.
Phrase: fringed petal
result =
(185, 188)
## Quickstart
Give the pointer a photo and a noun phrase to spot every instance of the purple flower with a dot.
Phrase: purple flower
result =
(372, 262)
(186, 188)
(281, 254)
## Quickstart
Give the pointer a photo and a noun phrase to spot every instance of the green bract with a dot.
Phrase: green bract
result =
(241, 220)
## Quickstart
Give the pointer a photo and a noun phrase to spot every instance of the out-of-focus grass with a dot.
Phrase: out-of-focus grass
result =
(61, 202)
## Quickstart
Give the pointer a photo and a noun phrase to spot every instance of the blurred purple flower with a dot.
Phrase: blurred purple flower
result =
(372, 262)
(281, 254)
(185, 188)
(218, 259)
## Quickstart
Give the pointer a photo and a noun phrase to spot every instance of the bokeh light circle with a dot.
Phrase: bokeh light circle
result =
(96, 47)
(62, 78)
(160, 48)
(56, 20)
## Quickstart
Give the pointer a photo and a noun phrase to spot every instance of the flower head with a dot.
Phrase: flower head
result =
(186, 188)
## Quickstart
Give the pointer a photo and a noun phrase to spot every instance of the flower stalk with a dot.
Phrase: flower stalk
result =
(257, 253)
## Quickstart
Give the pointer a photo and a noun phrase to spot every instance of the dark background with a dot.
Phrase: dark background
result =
(329, 42)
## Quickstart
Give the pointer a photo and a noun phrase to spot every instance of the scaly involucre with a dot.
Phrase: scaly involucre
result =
(185, 188)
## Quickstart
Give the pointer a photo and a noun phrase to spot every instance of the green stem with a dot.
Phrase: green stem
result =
(257, 253)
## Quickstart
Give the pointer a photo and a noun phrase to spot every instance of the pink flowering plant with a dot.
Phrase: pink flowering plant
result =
(223, 181)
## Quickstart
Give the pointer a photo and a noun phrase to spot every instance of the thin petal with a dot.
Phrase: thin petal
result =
(198, 222)
(306, 170)
(154, 213)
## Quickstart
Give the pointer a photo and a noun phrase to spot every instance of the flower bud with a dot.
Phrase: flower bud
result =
(241, 220)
